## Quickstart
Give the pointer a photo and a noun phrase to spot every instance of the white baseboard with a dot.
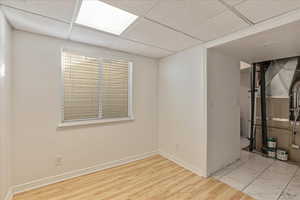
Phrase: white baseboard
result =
(9, 194)
(61, 177)
(182, 163)
(58, 178)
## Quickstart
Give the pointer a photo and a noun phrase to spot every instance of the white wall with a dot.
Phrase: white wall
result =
(223, 110)
(5, 105)
(203, 139)
(37, 99)
(245, 101)
(181, 108)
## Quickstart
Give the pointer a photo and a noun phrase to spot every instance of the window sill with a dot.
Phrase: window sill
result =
(91, 122)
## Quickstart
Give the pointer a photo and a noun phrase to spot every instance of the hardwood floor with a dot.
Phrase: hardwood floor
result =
(154, 178)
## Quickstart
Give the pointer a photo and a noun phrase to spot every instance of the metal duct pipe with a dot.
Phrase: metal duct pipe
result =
(293, 91)
(253, 90)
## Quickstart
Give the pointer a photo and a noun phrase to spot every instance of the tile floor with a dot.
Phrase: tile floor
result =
(262, 178)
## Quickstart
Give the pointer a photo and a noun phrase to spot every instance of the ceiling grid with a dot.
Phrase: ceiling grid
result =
(237, 13)
(75, 13)
(165, 26)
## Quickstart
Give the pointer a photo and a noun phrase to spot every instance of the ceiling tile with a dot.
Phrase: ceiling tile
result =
(221, 25)
(58, 9)
(259, 10)
(185, 15)
(267, 45)
(37, 24)
(93, 37)
(138, 7)
(155, 34)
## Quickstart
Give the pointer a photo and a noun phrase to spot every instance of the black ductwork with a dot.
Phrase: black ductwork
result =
(263, 66)
(264, 129)
(276, 78)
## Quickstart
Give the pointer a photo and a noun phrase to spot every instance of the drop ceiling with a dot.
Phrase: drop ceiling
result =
(280, 42)
(163, 27)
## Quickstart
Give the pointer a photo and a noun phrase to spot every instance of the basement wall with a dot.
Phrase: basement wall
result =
(223, 110)
(38, 142)
(5, 107)
(245, 102)
(170, 108)
(182, 109)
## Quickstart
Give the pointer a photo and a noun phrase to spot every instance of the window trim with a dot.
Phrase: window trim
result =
(84, 122)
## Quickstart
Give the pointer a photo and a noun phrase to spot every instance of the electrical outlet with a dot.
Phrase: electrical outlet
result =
(58, 161)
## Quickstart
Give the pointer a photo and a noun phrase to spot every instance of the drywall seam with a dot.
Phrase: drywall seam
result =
(68, 175)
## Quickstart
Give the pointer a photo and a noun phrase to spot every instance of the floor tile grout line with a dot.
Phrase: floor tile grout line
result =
(256, 177)
(295, 173)
(239, 166)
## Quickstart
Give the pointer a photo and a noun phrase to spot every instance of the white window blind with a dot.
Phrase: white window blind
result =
(95, 89)
(114, 87)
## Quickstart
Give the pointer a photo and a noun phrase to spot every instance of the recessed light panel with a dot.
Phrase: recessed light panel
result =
(104, 17)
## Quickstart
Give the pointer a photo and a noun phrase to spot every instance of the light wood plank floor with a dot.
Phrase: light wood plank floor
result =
(154, 178)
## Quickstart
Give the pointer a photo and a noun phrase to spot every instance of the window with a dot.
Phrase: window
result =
(95, 90)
